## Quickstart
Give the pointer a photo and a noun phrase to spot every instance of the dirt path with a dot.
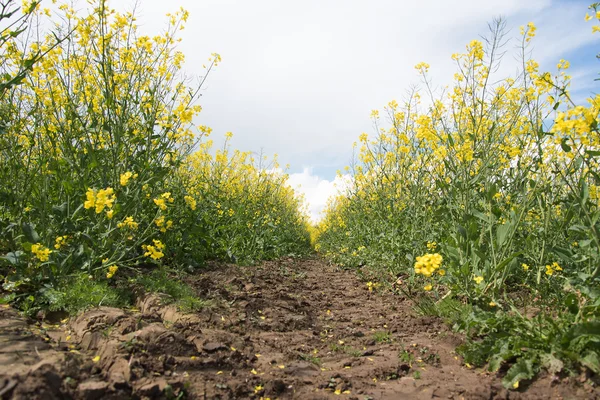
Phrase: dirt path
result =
(286, 329)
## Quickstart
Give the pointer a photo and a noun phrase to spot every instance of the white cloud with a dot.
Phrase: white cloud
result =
(317, 190)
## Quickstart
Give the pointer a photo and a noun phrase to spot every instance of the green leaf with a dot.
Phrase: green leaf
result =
(485, 218)
(507, 260)
(501, 234)
(593, 153)
(572, 303)
(566, 148)
(592, 361)
(551, 363)
(30, 232)
(12, 257)
(495, 362)
(585, 192)
(522, 370)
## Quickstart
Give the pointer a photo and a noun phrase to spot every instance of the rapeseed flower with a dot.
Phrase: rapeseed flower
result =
(124, 178)
(428, 264)
(551, 269)
(191, 202)
(128, 223)
(60, 241)
(111, 271)
(154, 251)
(41, 252)
(103, 198)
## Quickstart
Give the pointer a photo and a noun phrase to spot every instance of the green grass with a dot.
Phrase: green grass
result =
(81, 293)
(170, 283)
(382, 337)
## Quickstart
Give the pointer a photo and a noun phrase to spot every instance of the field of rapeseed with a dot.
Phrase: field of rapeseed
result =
(105, 177)
(478, 203)
(482, 203)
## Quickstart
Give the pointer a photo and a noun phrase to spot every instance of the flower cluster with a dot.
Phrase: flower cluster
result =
(551, 269)
(124, 178)
(112, 270)
(161, 202)
(60, 241)
(128, 223)
(428, 264)
(191, 202)
(41, 252)
(154, 251)
(160, 222)
(100, 199)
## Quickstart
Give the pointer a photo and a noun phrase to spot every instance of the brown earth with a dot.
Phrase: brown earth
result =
(285, 329)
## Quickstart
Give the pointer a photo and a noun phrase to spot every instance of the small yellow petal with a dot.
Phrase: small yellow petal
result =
(219, 372)
(96, 359)
(253, 372)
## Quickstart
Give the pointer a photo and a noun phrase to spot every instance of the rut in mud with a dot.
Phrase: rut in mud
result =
(285, 329)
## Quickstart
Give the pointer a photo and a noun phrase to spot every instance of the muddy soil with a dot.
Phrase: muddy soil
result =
(282, 330)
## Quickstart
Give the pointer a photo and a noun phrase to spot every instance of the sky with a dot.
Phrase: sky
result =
(300, 78)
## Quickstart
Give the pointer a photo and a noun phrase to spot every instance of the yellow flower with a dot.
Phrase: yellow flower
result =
(124, 179)
(428, 264)
(478, 279)
(154, 251)
(422, 67)
(128, 223)
(428, 288)
(525, 267)
(60, 241)
(96, 359)
(110, 213)
(190, 201)
(258, 388)
(161, 203)
(112, 270)
(103, 198)
(515, 385)
(41, 252)
(90, 196)
(493, 304)
(551, 269)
